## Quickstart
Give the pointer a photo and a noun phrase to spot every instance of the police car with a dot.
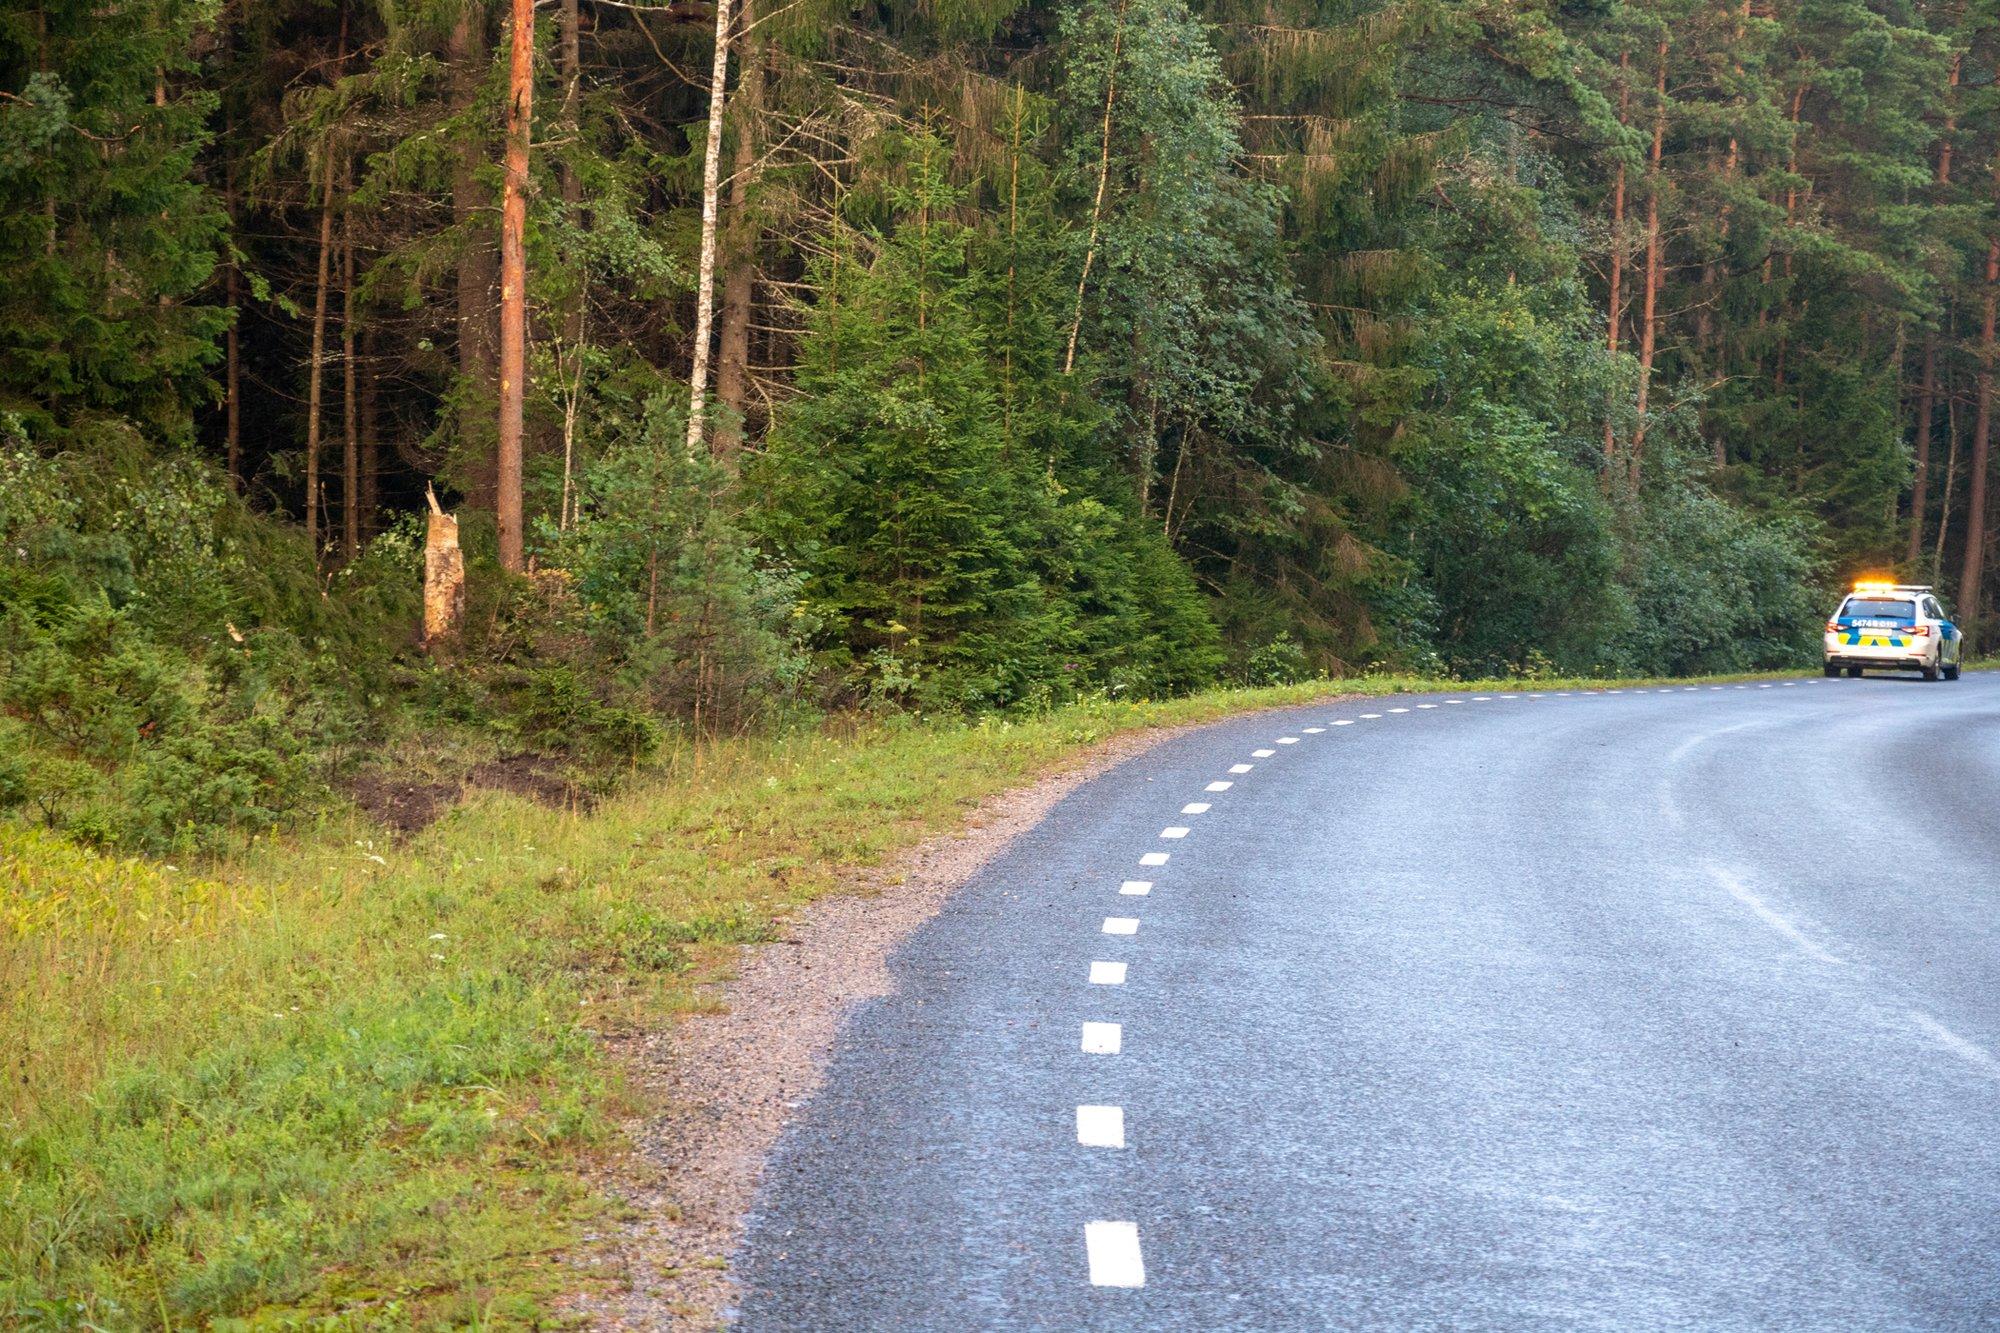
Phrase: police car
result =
(1894, 627)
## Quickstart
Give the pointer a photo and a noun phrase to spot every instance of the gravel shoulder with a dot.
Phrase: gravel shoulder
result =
(727, 1083)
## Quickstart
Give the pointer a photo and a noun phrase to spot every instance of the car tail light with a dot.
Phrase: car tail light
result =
(1919, 631)
(1833, 627)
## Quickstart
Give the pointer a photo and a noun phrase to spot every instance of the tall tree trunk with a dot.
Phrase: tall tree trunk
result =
(1103, 180)
(1950, 478)
(1614, 313)
(371, 437)
(1927, 386)
(739, 280)
(711, 203)
(318, 361)
(514, 285)
(1649, 319)
(232, 366)
(1920, 488)
(1969, 606)
(477, 266)
(350, 454)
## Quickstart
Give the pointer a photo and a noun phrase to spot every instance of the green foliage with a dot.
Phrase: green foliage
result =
(161, 687)
(949, 566)
(105, 226)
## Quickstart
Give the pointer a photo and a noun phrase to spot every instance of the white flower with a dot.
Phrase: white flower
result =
(437, 934)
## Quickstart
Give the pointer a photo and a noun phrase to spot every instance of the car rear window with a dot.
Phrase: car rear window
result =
(1871, 608)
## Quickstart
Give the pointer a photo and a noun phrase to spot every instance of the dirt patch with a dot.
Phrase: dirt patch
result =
(409, 806)
(534, 776)
(400, 805)
(730, 1081)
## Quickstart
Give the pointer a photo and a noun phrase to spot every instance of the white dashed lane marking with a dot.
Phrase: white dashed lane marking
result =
(1371, 716)
(1153, 859)
(1344, 722)
(1241, 768)
(1113, 1248)
(1399, 710)
(1218, 786)
(1177, 831)
(1121, 925)
(1262, 754)
(1107, 974)
(1195, 808)
(1427, 705)
(1288, 740)
(1100, 1126)
(1136, 888)
(1102, 1038)
(1314, 731)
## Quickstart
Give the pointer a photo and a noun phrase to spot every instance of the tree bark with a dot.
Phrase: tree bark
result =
(739, 280)
(1649, 320)
(514, 286)
(444, 579)
(1614, 314)
(477, 266)
(711, 192)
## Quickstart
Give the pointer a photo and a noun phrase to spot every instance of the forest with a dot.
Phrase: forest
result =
(786, 357)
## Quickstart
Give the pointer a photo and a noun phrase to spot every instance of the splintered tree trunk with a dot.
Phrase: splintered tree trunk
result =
(350, 455)
(477, 266)
(711, 201)
(514, 285)
(1649, 319)
(444, 579)
(317, 366)
(1969, 604)
(1613, 313)
(732, 364)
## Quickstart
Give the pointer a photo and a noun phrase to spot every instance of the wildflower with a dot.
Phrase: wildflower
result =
(437, 935)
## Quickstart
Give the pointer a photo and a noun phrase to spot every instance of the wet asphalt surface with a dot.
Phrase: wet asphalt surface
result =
(1673, 1009)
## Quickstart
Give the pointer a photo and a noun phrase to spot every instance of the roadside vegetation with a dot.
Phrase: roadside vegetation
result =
(340, 1074)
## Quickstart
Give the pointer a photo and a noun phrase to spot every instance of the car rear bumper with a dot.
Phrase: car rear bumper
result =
(1911, 657)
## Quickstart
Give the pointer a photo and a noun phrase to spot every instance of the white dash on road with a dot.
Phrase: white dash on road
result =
(1177, 831)
(1399, 710)
(1102, 1038)
(1218, 786)
(1153, 859)
(1371, 716)
(1427, 705)
(1114, 1254)
(1241, 768)
(1454, 701)
(1288, 740)
(1482, 698)
(1262, 754)
(1344, 722)
(1136, 888)
(1195, 808)
(1314, 731)
(1100, 1126)
(1107, 974)
(1121, 925)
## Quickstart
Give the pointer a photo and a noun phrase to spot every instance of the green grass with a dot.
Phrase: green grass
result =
(335, 1082)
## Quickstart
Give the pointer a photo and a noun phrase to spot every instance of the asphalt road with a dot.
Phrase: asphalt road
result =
(1641, 1009)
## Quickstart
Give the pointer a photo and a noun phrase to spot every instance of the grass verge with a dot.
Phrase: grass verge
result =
(336, 1082)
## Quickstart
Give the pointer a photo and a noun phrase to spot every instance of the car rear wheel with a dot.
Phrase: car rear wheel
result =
(1951, 671)
(1854, 671)
(1932, 671)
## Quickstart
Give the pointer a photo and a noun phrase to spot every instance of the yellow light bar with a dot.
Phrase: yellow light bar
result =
(1874, 585)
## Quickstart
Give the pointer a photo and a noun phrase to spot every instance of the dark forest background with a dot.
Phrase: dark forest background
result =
(1121, 347)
